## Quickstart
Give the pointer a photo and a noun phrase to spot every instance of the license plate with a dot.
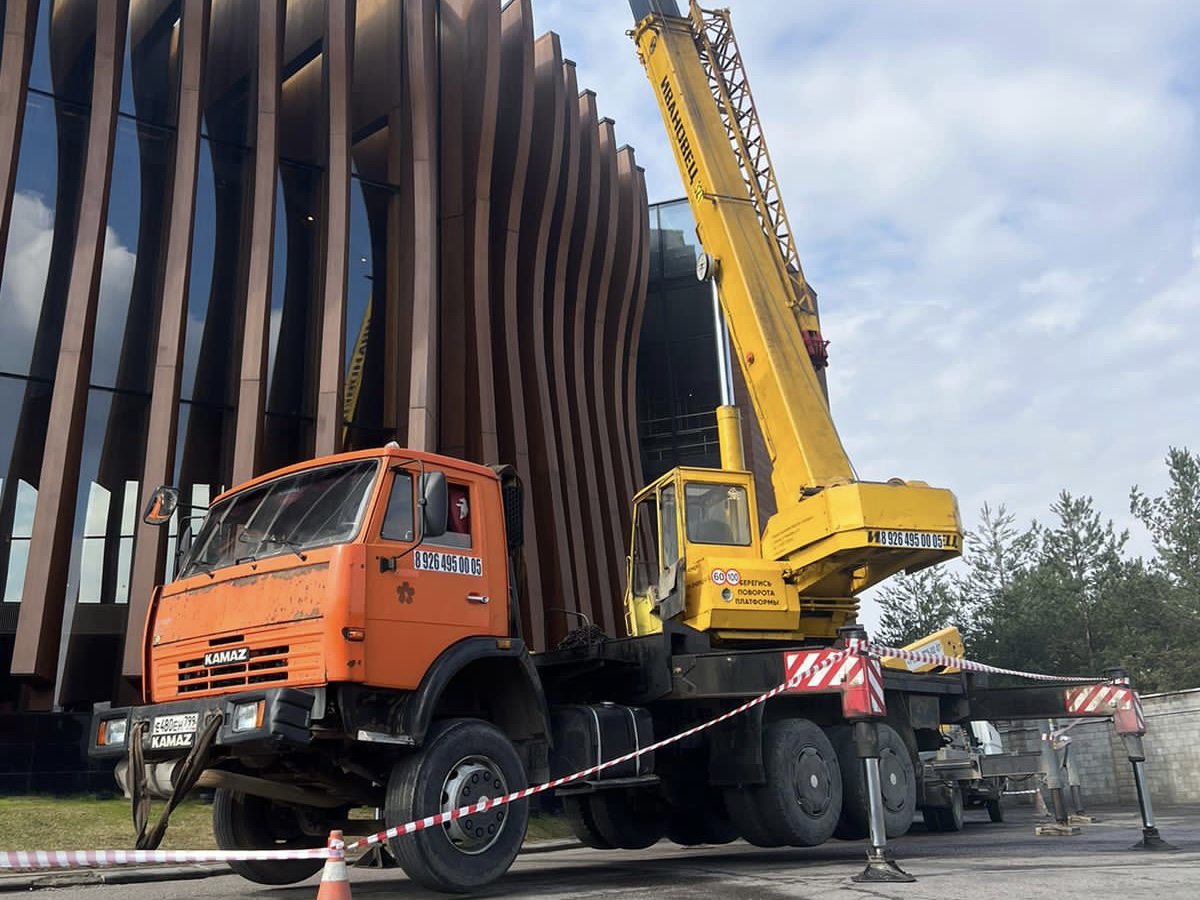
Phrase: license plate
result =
(177, 732)
(183, 723)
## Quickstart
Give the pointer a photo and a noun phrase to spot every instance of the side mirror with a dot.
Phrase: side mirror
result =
(435, 504)
(161, 506)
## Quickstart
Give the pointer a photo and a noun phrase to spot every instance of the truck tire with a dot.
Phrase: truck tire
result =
(995, 809)
(703, 822)
(579, 816)
(747, 819)
(946, 818)
(897, 780)
(802, 799)
(627, 819)
(462, 762)
(248, 822)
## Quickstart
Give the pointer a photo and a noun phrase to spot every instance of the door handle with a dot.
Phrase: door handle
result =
(477, 598)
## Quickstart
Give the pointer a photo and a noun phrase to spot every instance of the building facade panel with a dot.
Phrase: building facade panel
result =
(548, 507)
(238, 235)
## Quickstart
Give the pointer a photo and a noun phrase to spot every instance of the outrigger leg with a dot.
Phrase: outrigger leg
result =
(1151, 840)
(880, 865)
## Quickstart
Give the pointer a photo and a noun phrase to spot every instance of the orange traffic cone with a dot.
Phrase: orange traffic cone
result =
(335, 885)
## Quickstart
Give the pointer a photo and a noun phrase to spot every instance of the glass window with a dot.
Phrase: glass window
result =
(677, 240)
(717, 514)
(39, 70)
(151, 61)
(30, 238)
(201, 275)
(458, 522)
(18, 557)
(292, 395)
(91, 565)
(291, 514)
(120, 258)
(670, 528)
(645, 545)
(398, 520)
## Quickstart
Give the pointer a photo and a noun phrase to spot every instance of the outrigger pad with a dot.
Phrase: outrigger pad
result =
(1151, 841)
(882, 868)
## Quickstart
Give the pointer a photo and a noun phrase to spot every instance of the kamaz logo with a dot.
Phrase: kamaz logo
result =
(225, 657)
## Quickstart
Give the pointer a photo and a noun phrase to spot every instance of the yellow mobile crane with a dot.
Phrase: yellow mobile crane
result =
(697, 555)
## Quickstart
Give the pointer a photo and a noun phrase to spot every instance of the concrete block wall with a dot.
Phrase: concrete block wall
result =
(1101, 763)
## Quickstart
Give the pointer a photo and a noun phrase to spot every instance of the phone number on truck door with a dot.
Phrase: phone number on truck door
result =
(917, 540)
(448, 563)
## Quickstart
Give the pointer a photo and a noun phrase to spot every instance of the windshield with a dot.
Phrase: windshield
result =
(717, 514)
(287, 515)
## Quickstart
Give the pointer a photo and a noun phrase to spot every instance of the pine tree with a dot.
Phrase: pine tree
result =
(916, 605)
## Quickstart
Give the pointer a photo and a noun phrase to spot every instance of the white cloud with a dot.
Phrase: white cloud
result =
(998, 207)
(22, 292)
(27, 257)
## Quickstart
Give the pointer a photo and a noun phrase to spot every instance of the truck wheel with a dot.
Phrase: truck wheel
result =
(705, 822)
(898, 783)
(463, 761)
(627, 819)
(802, 799)
(583, 824)
(747, 818)
(946, 818)
(995, 809)
(248, 822)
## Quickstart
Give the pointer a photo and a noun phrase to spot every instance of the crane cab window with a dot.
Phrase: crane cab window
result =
(655, 539)
(717, 514)
(458, 522)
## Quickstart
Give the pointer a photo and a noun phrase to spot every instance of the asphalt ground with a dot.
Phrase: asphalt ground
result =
(985, 861)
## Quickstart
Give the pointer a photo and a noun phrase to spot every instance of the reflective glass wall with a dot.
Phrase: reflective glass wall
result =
(678, 375)
(678, 384)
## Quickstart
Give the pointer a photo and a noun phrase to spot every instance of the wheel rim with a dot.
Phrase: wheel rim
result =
(810, 778)
(891, 777)
(471, 779)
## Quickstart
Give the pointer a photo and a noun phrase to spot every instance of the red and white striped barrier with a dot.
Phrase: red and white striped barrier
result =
(954, 662)
(486, 803)
(75, 859)
(804, 669)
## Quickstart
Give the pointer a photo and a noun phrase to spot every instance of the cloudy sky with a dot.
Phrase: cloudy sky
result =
(999, 206)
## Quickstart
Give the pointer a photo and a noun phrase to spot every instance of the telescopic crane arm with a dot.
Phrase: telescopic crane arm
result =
(835, 534)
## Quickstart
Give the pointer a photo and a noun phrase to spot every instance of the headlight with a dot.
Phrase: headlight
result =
(248, 716)
(112, 732)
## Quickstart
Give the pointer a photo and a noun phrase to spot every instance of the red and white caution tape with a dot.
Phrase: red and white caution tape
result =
(45, 859)
(74, 859)
(486, 804)
(955, 662)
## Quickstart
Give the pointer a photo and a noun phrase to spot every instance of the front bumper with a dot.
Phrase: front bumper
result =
(287, 716)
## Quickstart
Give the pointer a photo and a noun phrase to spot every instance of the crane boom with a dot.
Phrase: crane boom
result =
(833, 535)
(742, 224)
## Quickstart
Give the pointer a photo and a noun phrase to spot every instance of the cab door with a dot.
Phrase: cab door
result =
(655, 565)
(424, 595)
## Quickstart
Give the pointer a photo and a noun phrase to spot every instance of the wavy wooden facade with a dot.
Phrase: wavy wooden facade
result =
(341, 223)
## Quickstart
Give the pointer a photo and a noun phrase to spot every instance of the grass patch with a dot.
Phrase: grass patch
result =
(93, 823)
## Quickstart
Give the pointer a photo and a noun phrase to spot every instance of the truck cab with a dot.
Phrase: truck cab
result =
(321, 573)
(341, 634)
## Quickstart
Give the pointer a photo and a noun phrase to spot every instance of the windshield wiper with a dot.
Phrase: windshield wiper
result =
(259, 543)
(291, 545)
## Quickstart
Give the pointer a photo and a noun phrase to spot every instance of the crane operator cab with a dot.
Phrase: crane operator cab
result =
(696, 557)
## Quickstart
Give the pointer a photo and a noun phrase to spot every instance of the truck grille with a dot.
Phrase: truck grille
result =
(265, 665)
